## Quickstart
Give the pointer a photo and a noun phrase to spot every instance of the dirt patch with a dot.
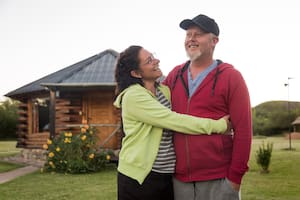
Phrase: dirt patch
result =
(294, 135)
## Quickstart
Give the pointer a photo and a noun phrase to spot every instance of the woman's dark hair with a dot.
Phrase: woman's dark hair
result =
(127, 61)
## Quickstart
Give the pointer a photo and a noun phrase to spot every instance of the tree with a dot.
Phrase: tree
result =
(8, 118)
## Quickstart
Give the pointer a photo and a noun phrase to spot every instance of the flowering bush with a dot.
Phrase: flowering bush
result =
(68, 153)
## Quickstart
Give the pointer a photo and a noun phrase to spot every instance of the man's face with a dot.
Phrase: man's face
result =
(198, 42)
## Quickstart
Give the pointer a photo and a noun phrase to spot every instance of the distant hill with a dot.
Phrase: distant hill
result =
(278, 105)
(274, 117)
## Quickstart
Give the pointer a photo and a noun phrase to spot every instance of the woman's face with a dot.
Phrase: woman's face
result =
(149, 66)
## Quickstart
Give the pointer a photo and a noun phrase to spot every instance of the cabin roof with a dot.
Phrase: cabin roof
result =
(97, 70)
(296, 121)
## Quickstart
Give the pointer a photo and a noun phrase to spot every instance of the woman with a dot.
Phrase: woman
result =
(147, 157)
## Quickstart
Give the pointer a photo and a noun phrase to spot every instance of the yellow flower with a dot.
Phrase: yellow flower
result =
(86, 126)
(83, 137)
(83, 130)
(51, 164)
(107, 157)
(57, 149)
(91, 132)
(51, 154)
(91, 156)
(67, 140)
(45, 146)
(49, 141)
(68, 134)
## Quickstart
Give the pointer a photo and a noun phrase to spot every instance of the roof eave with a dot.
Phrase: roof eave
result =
(77, 84)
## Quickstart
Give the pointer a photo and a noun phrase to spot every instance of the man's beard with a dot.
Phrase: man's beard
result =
(194, 56)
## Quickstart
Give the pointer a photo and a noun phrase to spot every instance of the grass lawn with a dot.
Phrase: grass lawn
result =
(8, 148)
(47, 186)
(282, 183)
(5, 167)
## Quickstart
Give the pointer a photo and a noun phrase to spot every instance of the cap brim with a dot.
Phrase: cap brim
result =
(185, 24)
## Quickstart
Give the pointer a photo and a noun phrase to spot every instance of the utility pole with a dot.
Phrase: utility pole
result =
(289, 112)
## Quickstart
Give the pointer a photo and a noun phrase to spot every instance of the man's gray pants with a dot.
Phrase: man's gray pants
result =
(219, 189)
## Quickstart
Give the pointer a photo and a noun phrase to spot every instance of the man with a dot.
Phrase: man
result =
(209, 167)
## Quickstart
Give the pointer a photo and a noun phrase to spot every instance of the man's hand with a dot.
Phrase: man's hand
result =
(235, 186)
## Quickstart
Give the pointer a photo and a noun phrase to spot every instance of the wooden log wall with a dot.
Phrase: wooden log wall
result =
(120, 133)
(22, 126)
(68, 112)
(100, 113)
(36, 140)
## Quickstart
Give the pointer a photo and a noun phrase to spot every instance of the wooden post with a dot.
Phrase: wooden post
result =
(52, 113)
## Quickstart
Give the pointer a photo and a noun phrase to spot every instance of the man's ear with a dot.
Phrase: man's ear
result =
(135, 74)
(215, 40)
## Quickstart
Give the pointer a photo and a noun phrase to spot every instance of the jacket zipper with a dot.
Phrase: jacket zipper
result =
(188, 108)
(187, 146)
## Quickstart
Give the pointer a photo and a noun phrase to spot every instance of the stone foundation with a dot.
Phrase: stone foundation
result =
(34, 157)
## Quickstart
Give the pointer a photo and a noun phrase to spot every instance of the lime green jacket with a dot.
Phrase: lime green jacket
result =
(144, 119)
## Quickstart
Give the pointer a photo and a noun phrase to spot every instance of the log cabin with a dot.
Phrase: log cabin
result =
(64, 100)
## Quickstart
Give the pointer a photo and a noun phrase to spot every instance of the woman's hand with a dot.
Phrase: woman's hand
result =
(229, 127)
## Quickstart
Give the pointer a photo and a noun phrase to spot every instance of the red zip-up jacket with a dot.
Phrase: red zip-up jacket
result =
(208, 157)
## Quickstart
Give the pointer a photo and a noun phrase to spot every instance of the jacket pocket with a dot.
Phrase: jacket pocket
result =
(210, 152)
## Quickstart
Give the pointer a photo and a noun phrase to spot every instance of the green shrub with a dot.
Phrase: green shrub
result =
(263, 156)
(68, 153)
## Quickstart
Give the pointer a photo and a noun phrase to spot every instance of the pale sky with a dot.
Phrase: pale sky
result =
(259, 37)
